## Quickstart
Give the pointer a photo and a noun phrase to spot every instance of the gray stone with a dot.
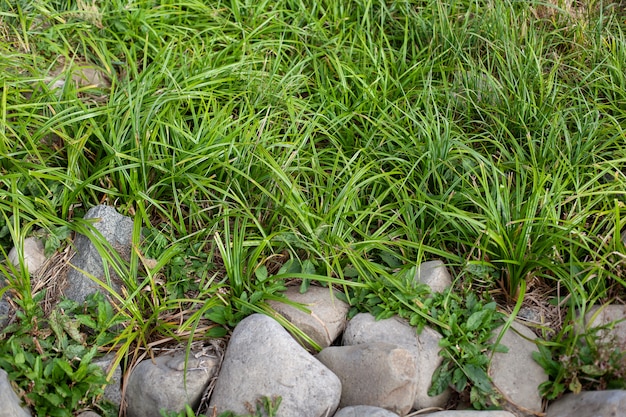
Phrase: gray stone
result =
(5, 307)
(613, 315)
(326, 318)
(32, 252)
(81, 74)
(88, 414)
(531, 314)
(471, 413)
(117, 231)
(10, 402)
(434, 274)
(364, 411)
(89, 76)
(364, 328)
(378, 374)
(164, 384)
(515, 374)
(610, 403)
(263, 360)
(113, 391)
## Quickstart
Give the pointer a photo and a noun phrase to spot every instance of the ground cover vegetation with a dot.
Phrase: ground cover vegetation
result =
(261, 143)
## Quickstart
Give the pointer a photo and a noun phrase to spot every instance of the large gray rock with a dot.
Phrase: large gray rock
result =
(326, 318)
(377, 374)
(515, 373)
(263, 360)
(115, 229)
(32, 255)
(9, 401)
(164, 384)
(434, 274)
(590, 404)
(614, 315)
(471, 413)
(364, 411)
(364, 328)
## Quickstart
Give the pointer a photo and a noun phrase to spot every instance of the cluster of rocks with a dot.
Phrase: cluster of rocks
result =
(366, 367)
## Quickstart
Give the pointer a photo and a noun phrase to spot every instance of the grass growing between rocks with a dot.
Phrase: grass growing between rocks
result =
(258, 144)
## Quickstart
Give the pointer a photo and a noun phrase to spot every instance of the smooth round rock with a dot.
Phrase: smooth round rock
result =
(364, 328)
(33, 252)
(613, 315)
(10, 405)
(326, 318)
(263, 360)
(164, 384)
(434, 274)
(364, 411)
(515, 373)
(611, 403)
(377, 374)
(471, 413)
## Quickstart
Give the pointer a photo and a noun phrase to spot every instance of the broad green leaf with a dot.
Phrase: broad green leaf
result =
(58, 412)
(476, 319)
(256, 297)
(91, 353)
(66, 367)
(72, 327)
(390, 259)
(105, 313)
(217, 332)
(592, 370)
(37, 367)
(476, 397)
(304, 286)
(308, 267)
(490, 306)
(459, 380)
(74, 351)
(261, 273)
(290, 267)
(54, 399)
(217, 314)
(441, 380)
(501, 348)
(350, 272)
(478, 376)
(63, 390)
(56, 323)
(87, 321)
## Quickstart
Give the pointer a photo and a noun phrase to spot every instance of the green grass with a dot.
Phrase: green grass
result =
(340, 142)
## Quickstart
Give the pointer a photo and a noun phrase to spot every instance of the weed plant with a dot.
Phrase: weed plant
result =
(337, 142)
